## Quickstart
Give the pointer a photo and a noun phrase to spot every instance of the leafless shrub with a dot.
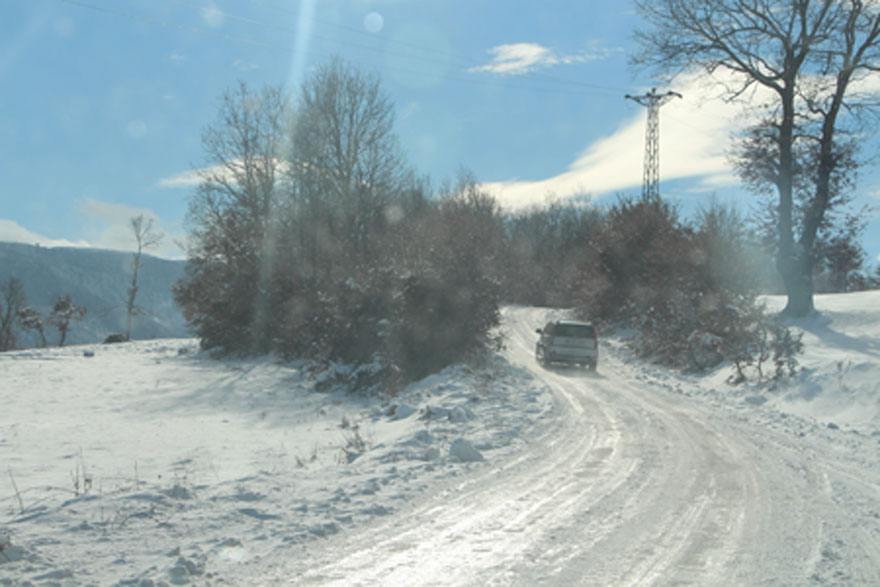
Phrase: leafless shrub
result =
(354, 445)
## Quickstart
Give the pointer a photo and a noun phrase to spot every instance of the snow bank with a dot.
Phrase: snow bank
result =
(840, 381)
(147, 462)
(838, 384)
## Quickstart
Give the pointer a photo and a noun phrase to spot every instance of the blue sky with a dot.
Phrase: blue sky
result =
(103, 102)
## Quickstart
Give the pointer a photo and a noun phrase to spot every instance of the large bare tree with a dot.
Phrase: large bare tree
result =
(811, 57)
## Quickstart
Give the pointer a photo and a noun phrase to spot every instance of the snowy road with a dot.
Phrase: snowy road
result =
(634, 483)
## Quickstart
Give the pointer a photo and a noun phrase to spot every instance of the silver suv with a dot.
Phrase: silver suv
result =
(563, 341)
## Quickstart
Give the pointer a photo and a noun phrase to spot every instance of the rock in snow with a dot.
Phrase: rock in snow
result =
(464, 451)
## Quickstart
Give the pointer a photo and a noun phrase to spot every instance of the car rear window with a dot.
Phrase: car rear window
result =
(574, 330)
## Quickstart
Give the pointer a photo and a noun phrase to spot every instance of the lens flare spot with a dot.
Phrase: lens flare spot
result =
(394, 214)
(136, 129)
(212, 16)
(373, 22)
(64, 27)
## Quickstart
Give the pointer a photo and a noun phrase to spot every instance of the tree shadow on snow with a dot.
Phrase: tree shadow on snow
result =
(820, 327)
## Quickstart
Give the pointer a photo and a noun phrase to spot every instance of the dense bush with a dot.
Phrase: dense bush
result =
(311, 238)
(689, 291)
(412, 313)
(449, 304)
(640, 259)
(440, 321)
(545, 246)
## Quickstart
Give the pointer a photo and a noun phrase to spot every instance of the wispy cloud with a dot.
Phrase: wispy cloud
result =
(213, 16)
(108, 226)
(694, 137)
(185, 179)
(243, 65)
(409, 109)
(13, 232)
(520, 58)
(111, 213)
(213, 174)
(101, 225)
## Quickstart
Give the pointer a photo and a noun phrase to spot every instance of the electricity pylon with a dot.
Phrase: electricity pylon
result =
(651, 175)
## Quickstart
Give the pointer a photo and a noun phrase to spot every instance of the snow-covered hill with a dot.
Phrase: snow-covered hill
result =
(98, 280)
(148, 462)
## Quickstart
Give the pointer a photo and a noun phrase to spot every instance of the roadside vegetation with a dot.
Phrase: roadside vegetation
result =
(311, 237)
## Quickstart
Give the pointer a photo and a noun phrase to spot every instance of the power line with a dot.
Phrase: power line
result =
(172, 25)
(286, 49)
(361, 32)
(286, 29)
(465, 60)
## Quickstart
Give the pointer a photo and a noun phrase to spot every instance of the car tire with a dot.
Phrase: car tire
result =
(539, 356)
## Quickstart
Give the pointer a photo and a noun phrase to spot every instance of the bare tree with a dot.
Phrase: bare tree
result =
(239, 187)
(64, 312)
(146, 238)
(234, 215)
(31, 319)
(13, 300)
(811, 56)
(346, 162)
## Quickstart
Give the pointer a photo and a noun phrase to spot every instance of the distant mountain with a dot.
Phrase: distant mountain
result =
(98, 280)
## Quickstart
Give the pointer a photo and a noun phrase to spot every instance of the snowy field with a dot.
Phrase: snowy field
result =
(148, 463)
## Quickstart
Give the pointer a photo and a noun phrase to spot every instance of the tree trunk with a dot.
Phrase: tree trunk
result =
(797, 275)
(795, 264)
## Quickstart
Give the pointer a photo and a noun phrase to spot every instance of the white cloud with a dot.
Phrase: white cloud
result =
(694, 136)
(107, 226)
(101, 225)
(410, 109)
(11, 231)
(213, 16)
(193, 177)
(520, 58)
(243, 65)
(184, 179)
(110, 212)
(718, 180)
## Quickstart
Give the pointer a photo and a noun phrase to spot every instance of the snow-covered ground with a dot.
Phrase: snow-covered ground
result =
(149, 462)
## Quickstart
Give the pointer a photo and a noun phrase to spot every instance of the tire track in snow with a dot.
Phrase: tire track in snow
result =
(631, 485)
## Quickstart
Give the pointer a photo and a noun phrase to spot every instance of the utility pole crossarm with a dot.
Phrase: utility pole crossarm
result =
(651, 175)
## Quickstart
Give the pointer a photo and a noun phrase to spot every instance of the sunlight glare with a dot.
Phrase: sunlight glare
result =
(304, 24)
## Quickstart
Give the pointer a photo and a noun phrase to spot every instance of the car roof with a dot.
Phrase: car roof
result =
(573, 322)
